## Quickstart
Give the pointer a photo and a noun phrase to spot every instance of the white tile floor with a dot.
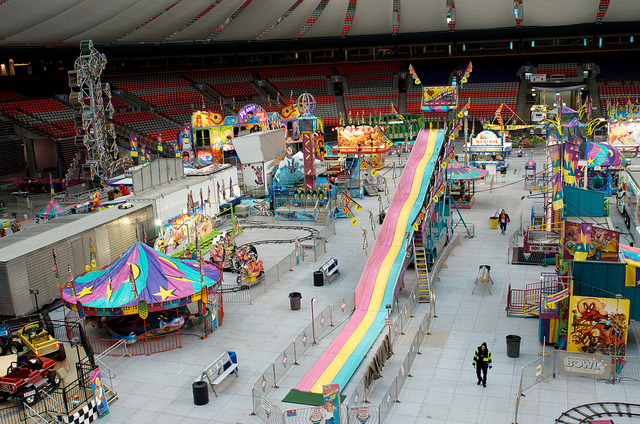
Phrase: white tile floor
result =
(157, 389)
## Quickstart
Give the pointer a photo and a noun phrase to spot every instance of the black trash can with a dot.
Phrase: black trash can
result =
(200, 392)
(318, 278)
(513, 346)
(294, 298)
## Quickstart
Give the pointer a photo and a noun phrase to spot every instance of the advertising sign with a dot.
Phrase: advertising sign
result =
(587, 365)
(98, 392)
(331, 404)
(440, 96)
(598, 325)
(599, 244)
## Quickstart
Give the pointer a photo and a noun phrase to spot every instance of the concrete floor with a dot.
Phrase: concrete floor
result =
(157, 388)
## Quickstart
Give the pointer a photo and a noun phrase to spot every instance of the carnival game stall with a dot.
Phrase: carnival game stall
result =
(145, 298)
(462, 183)
(210, 134)
(488, 148)
(369, 143)
(625, 136)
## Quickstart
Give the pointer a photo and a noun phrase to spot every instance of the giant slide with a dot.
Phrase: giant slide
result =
(377, 283)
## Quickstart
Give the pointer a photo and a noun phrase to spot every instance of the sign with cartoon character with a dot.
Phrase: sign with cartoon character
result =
(98, 392)
(600, 244)
(598, 325)
(331, 404)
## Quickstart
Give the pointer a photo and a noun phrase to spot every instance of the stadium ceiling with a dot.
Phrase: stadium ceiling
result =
(126, 22)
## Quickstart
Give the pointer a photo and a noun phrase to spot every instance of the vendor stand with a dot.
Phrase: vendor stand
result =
(488, 148)
(462, 183)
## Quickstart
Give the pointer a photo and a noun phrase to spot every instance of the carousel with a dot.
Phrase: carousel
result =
(142, 296)
(462, 183)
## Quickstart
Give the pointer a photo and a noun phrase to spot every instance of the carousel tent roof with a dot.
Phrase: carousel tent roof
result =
(455, 171)
(599, 154)
(163, 282)
(52, 209)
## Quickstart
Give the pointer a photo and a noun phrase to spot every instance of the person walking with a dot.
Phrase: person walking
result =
(482, 362)
(504, 220)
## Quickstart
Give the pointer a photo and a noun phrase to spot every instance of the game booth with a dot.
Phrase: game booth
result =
(145, 298)
(462, 183)
(488, 148)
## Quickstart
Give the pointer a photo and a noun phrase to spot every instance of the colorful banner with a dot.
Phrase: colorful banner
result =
(133, 146)
(443, 97)
(159, 145)
(570, 158)
(556, 179)
(598, 325)
(331, 403)
(98, 392)
(206, 119)
(414, 75)
(467, 72)
(584, 242)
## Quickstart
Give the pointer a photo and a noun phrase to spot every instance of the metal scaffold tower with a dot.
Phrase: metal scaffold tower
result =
(95, 136)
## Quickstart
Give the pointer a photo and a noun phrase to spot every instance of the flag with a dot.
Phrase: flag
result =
(209, 194)
(202, 272)
(231, 193)
(395, 110)
(278, 98)
(553, 298)
(464, 108)
(54, 267)
(570, 158)
(159, 140)
(92, 255)
(144, 235)
(133, 146)
(556, 179)
(201, 201)
(414, 75)
(70, 281)
(51, 184)
(582, 246)
(467, 72)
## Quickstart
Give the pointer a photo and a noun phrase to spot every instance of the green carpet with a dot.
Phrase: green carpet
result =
(306, 398)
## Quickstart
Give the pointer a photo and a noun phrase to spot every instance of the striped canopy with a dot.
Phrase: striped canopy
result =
(455, 171)
(51, 210)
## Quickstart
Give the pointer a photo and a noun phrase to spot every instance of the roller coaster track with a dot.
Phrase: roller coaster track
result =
(585, 413)
(312, 233)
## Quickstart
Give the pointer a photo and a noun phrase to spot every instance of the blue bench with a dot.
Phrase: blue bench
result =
(220, 369)
(330, 269)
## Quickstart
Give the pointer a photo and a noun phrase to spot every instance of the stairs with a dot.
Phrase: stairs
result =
(420, 259)
(321, 217)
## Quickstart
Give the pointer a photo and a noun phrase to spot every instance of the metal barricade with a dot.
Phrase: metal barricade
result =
(387, 402)
(342, 309)
(267, 410)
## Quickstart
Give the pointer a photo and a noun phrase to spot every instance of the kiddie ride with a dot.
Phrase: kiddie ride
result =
(249, 267)
(26, 376)
(8, 342)
(38, 340)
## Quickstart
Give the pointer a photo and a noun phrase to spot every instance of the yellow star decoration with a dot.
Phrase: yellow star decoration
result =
(164, 293)
(85, 291)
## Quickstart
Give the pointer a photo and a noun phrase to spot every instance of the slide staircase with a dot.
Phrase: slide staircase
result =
(528, 302)
(385, 264)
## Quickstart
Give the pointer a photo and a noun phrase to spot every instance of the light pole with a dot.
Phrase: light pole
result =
(34, 292)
